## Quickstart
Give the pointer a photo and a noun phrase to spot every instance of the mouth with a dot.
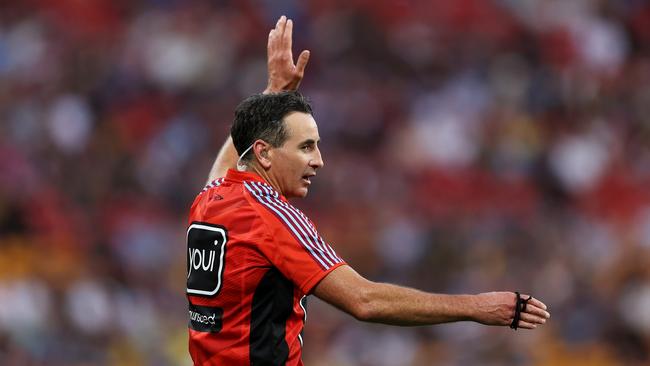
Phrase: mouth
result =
(306, 179)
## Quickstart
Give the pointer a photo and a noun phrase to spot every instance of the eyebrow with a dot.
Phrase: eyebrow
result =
(309, 142)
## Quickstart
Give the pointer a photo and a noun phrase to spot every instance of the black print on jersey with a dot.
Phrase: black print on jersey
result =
(206, 252)
(205, 318)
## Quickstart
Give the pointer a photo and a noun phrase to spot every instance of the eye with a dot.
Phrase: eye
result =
(307, 147)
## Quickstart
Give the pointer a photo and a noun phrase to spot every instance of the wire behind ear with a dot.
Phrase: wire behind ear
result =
(241, 166)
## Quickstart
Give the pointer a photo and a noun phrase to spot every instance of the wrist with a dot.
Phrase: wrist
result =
(275, 88)
(469, 309)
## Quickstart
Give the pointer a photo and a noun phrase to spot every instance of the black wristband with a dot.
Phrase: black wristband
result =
(520, 306)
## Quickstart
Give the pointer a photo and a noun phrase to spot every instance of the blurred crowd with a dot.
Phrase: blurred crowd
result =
(469, 146)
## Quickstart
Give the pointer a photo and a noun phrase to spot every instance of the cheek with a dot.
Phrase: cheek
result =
(297, 166)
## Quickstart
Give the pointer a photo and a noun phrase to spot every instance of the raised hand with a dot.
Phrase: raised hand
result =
(284, 75)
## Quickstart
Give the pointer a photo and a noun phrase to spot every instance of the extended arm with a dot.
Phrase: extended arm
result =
(390, 304)
(283, 76)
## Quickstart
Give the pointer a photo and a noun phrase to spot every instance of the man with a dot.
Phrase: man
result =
(253, 257)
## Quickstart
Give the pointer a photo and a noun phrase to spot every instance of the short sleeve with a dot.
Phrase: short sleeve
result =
(295, 247)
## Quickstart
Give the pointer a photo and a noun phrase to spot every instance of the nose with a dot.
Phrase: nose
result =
(317, 161)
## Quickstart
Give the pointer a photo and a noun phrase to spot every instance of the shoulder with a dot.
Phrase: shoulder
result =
(215, 183)
(276, 209)
(226, 201)
(201, 198)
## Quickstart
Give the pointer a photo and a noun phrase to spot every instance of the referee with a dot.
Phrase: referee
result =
(252, 257)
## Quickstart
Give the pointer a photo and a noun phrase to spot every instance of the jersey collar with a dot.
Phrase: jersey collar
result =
(240, 177)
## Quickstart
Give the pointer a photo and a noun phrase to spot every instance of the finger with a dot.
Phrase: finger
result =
(270, 46)
(302, 62)
(534, 301)
(527, 325)
(274, 40)
(531, 309)
(276, 34)
(277, 24)
(287, 35)
(281, 25)
(533, 319)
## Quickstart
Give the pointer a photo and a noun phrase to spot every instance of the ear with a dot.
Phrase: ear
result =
(261, 149)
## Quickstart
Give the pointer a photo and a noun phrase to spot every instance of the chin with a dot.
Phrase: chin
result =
(299, 193)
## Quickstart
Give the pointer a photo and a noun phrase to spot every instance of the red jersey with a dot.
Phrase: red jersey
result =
(251, 260)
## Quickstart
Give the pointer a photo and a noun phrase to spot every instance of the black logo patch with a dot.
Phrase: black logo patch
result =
(206, 252)
(205, 318)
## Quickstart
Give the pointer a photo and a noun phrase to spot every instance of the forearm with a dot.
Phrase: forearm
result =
(226, 159)
(391, 304)
(395, 305)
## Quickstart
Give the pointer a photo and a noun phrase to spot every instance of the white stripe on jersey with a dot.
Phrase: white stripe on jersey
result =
(304, 319)
(305, 222)
(214, 183)
(309, 227)
(267, 201)
(303, 308)
(269, 198)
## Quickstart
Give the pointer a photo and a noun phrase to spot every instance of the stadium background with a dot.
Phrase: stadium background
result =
(469, 145)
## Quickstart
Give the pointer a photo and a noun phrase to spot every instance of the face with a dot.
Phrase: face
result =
(295, 162)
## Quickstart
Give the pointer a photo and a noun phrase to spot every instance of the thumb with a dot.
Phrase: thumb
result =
(302, 61)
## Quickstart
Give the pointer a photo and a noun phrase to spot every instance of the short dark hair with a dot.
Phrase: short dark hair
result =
(260, 116)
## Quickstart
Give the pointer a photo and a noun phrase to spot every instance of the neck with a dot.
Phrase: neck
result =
(255, 168)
